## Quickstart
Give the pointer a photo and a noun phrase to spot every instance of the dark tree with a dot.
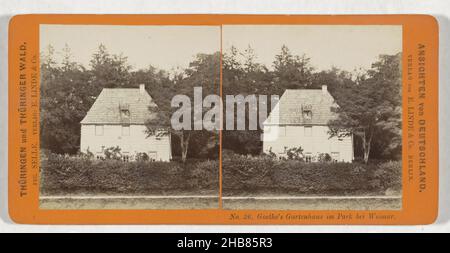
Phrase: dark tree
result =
(203, 71)
(371, 110)
(292, 71)
(109, 71)
(65, 98)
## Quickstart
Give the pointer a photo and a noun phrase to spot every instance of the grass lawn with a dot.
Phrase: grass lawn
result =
(314, 204)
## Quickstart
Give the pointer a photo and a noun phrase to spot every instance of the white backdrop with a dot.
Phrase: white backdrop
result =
(439, 8)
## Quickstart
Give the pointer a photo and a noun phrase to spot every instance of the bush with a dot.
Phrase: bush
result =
(142, 157)
(324, 157)
(113, 153)
(295, 153)
(203, 175)
(63, 174)
(242, 175)
(247, 173)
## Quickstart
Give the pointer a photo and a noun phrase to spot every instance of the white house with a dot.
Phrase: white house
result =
(117, 118)
(300, 119)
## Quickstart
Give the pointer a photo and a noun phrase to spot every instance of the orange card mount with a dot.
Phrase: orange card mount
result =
(223, 119)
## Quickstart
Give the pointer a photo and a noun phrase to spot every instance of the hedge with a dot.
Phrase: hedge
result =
(65, 175)
(241, 176)
(250, 175)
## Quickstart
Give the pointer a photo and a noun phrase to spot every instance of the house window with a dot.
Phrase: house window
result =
(307, 112)
(125, 130)
(308, 131)
(308, 157)
(307, 115)
(335, 156)
(98, 130)
(124, 111)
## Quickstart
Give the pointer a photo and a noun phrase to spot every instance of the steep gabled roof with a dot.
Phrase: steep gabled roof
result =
(107, 107)
(289, 109)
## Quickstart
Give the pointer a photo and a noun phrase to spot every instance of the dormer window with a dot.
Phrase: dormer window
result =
(307, 115)
(124, 111)
(307, 112)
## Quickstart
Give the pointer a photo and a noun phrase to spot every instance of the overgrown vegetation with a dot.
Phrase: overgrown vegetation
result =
(245, 175)
(62, 174)
(250, 175)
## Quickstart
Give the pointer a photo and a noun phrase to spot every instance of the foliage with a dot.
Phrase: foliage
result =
(108, 70)
(142, 157)
(295, 153)
(62, 174)
(324, 157)
(377, 89)
(65, 99)
(371, 110)
(113, 153)
(270, 154)
(292, 71)
(68, 90)
(369, 101)
(203, 72)
(250, 175)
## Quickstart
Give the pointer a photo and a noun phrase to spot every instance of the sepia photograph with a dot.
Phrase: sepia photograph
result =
(297, 117)
(329, 107)
(105, 117)
(180, 116)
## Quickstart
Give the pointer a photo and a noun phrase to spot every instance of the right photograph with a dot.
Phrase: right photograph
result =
(313, 117)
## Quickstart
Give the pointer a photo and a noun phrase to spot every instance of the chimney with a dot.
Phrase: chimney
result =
(324, 89)
(142, 88)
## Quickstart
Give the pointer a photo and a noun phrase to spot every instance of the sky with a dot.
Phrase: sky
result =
(171, 48)
(345, 47)
(164, 47)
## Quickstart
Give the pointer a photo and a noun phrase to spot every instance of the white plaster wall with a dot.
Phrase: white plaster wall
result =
(136, 141)
(279, 137)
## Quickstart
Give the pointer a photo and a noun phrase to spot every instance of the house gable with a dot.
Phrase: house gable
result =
(117, 119)
(300, 119)
(120, 106)
(303, 107)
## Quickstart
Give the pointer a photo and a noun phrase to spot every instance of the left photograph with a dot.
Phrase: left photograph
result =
(107, 136)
